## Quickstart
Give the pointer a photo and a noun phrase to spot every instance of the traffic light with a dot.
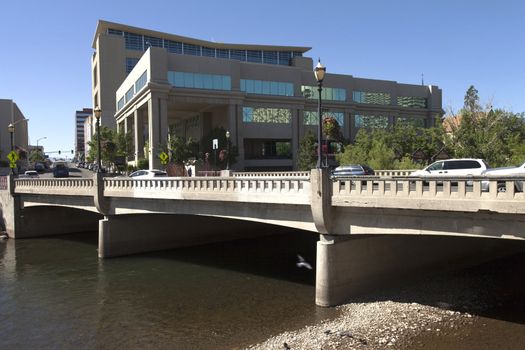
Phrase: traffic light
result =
(71, 151)
(59, 152)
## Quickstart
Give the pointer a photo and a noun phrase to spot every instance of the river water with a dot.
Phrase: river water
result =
(56, 294)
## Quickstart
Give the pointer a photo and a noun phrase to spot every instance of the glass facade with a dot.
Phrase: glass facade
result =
(141, 81)
(267, 149)
(310, 117)
(418, 122)
(371, 121)
(263, 87)
(130, 63)
(130, 93)
(266, 115)
(375, 98)
(120, 104)
(330, 94)
(142, 42)
(152, 41)
(199, 81)
(412, 102)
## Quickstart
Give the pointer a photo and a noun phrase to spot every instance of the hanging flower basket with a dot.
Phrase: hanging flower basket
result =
(331, 127)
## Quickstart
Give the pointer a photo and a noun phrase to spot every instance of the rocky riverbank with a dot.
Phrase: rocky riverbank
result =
(430, 309)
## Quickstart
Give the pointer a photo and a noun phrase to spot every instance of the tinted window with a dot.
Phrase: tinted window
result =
(435, 166)
(462, 164)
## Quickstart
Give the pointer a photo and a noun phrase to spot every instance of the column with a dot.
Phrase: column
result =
(296, 122)
(138, 136)
(157, 127)
(235, 134)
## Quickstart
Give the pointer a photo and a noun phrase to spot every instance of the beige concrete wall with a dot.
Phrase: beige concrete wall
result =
(11, 113)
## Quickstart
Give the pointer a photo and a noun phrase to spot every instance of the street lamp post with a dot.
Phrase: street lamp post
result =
(228, 150)
(319, 73)
(11, 129)
(42, 138)
(98, 113)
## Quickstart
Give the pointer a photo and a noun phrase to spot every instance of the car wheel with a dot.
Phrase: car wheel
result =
(502, 188)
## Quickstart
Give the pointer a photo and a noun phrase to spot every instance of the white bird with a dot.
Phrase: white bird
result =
(303, 263)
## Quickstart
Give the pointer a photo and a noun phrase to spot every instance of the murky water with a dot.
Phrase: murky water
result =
(56, 294)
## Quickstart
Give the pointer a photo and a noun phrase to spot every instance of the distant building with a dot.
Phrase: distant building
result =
(80, 118)
(150, 84)
(88, 135)
(11, 114)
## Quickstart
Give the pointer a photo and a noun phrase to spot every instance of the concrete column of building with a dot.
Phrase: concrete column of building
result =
(139, 135)
(234, 111)
(126, 124)
(296, 122)
(157, 127)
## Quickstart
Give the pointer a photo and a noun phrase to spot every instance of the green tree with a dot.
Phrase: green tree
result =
(307, 157)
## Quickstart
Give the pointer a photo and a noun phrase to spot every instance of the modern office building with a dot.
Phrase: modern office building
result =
(80, 118)
(11, 114)
(152, 83)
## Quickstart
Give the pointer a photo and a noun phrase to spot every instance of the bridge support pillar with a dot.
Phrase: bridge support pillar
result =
(348, 266)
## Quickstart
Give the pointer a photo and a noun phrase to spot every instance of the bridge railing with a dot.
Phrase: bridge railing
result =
(286, 190)
(502, 194)
(385, 172)
(287, 174)
(67, 186)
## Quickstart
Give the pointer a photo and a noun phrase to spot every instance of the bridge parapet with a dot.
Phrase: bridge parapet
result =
(286, 190)
(393, 172)
(467, 194)
(287, 174)
(68, 186)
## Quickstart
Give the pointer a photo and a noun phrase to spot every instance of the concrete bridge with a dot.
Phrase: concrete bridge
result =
(365, 223)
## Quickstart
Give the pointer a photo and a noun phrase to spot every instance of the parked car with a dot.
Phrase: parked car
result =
(30, 174)
(352, 170)
(506, 171)
(453, 167)
(147, 174)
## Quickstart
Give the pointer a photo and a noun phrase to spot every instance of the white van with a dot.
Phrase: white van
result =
(454, 167)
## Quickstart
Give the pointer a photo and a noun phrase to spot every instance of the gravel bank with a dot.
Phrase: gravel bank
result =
(433, 306)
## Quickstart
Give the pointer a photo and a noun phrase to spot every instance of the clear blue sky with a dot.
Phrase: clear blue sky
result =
(46, 45)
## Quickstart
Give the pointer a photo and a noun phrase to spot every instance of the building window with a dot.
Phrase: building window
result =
(131, 63)
(115, 32)
(254, 56)
(199, 81)
(371, 121)
(141, 81)
(329, 94)
(120, 104)
(376, 98)
(152, 41)
(417, 122)
(310, 117)
(267, 149)
(173, 46)
(263, 87)
(270, 57)
(133, 41)
(190, 49)
(129, 94)
(266, 115)
(284, 58)
(239, 55)
(208, 51)
(223, 53)
(412, 102)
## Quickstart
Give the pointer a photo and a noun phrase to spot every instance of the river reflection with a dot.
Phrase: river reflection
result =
(56, 293)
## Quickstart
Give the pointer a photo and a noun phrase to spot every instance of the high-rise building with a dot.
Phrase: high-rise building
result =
(80, 118)
(152, 84)
(11, 114)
